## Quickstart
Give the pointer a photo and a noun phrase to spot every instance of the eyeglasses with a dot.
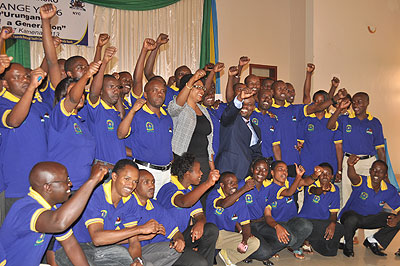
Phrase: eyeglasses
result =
(68, 182)
(199, 87)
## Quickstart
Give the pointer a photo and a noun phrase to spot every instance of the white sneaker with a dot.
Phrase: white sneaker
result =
(224, 257)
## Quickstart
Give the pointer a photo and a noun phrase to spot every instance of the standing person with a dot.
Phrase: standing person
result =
(240, 138)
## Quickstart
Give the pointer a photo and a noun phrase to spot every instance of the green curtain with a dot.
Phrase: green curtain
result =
(205, 34)
(138, 5)
(19, 49)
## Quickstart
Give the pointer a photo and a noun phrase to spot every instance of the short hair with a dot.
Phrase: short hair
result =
(61, 89)
(361, 93)
(182, 164)
(157, 78)
(267, 79)
(275, 163)
(328, 166)
(259, 159)
(121, 164)
(236, 85)
(248, 77)
(323, 93)
(185, 79)
(70, 61)
(382, 162)
(225, 175)
(125, 72)
(276, 83)
(2, 75)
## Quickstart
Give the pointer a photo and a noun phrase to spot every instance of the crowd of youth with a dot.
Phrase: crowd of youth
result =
(100, 169)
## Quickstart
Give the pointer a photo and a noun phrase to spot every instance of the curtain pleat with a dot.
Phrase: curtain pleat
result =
(19, 50)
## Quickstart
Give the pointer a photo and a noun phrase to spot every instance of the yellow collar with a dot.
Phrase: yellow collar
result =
(277, 106)
(369, 117)
(175, 181)
(265, 183)
(174, 87)
(383, 184)
(318, 184)
(147, 109)
(106, 106)
(327, 114)
(107, 193)
(36, 196)
(2, 91)
(6, 94)
(285, 185)
(221, 192)
(257, 110)
(149, 205)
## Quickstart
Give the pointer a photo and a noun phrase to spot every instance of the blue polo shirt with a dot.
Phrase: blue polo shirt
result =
(321, 206)
(23, 245)
(361, 137)
(226, 218)
(48, 93)
(171, 92)
(288, 117)
(282, 208)
(255, 199)
(318, 142)
(21, 147)
(365, 201)
(153, 210)
(270, 132)
(215, 115)
(103, 124)
(71, 144)
(126, 103)
(3, 259)
(150, 136)
(166, 196)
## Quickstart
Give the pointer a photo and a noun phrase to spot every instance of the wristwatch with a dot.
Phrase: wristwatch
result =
(339, 172)
(138, 259)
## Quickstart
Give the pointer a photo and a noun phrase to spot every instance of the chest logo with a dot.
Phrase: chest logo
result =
(369, 131)
(117, 221)
(149, 127)
(274, 204)
(234, 217)
(110, 125)
(103, 213)
(364, 196)
(272, 129)
(219, 211)
(348, 128)
(255, 121)
(316, 199)
(382, 203)
(310, 127)
(249, 199)
(77, 129)
(40, 240)
(289, 200)
(294, 119)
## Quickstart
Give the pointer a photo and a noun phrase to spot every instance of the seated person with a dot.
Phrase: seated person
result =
(227, 209)
(182, 201)
(33, 220)
(321, 206)
(364, 209)
(281, 211)
(110, 219)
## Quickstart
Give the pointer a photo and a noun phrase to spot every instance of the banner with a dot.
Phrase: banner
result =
(73, 22)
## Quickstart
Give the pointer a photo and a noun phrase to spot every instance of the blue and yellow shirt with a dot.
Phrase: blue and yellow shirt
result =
(48, 93)
(169, 95)
(215, 115)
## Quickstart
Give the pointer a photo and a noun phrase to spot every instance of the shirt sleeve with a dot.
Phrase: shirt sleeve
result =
(335, 204)
(5, 110)
(59, 117)
(93, 109)
(93, 214)
(379, 141)
(394, 199)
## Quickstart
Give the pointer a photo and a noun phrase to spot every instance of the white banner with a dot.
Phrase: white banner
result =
(73, 23)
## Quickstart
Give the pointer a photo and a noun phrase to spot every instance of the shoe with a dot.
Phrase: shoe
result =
(224, 257)
(374, 248)
(348, 252)
(247, 260)
(268, 262)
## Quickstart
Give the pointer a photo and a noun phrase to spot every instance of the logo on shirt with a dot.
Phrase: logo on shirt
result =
(77, 129)
(219, 211)
(348, 128)
(274, 204)
(294, 119)
(272, 129)
(255, 121)
(40, 240)
(110, 125)
(234, 217)
(103, 214)
(248, 198)
(316, 199)
(289, 200)
(310, 127)
(364, 196)
(369, 131)
(117, 221)
(382, 203)
(149, 127)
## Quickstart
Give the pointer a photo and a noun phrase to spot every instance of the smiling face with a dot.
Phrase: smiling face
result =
(60, 185)
(280, 90)
(264, 99)
(194, 176)
(280, 173)
(291, 93)
(359, 104)
(248, 107)
(126, 82)
(197, 92)
(260, 171)
(209, 96)
(326, 176)
(125, 180)
(253, 83)
(229, 184)
(378, 172)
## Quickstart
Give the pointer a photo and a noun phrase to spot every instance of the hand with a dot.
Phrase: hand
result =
(136, 263)
(213, 177)
(149, 44)
(242, 247)
(342, 93)
(47, 11)
(162, 39)
(249, 185)
(317, 172)
(392, 220)
(138, 104)
(282, 234)
(218, 67)
(93, 69)
(310, 68)
(233, 71)
(330, 231)
(6, 32)
(115, 75)
(326, 186)
(216, 104)
(5, 61)
(37, 77)
(338, 178)
(197, 231)
(209, 67)
(245, 93)
(300, 170)
(56, 41)
(109, 54)
(171, 81)
(152, 227)
(335, 82)
(103, 39)
(178, 245)
(299, 145)
(198, 75)
(353, 159)
(99, 170)
(244, 60)
(343, 103)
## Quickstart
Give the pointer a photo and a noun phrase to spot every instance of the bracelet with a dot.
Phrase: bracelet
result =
(138, 259)
(339, 172)
(276, 226)
(190, 88)
(237, 76)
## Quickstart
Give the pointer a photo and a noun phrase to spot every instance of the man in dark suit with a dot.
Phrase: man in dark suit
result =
(240, 139)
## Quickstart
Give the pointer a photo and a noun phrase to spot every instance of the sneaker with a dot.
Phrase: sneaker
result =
(224, 257)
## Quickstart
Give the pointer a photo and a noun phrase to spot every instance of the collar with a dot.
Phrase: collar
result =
(285, 185)
(318, 184)
(219, 190)
(327, 114)
(36, 196)
(383, 184)
(174, 87)
(257, 110)
(277, 106)
(147, 109)
(106, 106)
(6, 94)
(107, 193)
(149, 205)
(265, 183)
(175, 181)
(369, 117)
(2, 91)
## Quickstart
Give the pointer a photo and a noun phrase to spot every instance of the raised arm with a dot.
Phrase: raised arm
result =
(243, 61)
(229, 91)
(355, 178)
(20, 111)
(103, 40)
(312, 108)
(231, 111)
(148, 69)
(292, 189)
(307, 84)
(6, 33)
(44, 65)
(218, 67)
(5, 62)
(184, 93)
(124, 126)
(342, 105)
(230, 200)
(334, 84)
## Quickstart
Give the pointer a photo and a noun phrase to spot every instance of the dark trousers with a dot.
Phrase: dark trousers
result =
(318, 241)
(352, 221)
(205, 247)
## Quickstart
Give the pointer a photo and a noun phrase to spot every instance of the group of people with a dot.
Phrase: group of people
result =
(100, 169)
